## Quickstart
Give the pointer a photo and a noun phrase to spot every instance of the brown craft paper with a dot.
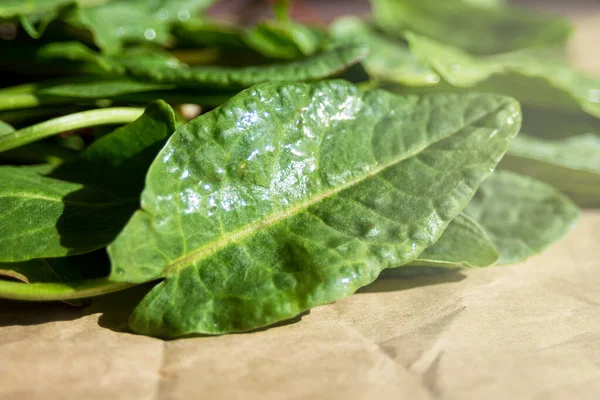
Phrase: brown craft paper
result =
(529, 331)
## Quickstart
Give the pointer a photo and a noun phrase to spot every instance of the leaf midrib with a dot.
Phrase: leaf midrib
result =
(214, 247)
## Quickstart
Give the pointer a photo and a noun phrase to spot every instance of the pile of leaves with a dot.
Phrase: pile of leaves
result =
(248, 172)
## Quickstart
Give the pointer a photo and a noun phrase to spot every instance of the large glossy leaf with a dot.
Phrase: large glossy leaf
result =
(481, 30)
(571, 165)
(318, 66)
(82, 205)
(536, 77)
(294, 195)
(464, 244)
(388, 60)
(521, 215)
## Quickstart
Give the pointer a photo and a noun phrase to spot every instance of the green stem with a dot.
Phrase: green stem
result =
(59, 291)
(282, 13)
(84, 119)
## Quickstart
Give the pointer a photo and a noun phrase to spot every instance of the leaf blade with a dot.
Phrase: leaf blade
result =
(308, 223)
(522, 216)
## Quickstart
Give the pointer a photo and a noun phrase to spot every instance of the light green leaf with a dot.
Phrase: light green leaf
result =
(521, 215)
(82, 205)
(5, 128)
(464, 244)
(480, 30)
(571, 165)
(14, 8)
(139, 21)
(293, 195)
(315, 67)
(536, 77)
(388, 60)
(46, 217)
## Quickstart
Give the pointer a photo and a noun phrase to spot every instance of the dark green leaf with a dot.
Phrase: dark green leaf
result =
(82, 205)
(480, 30)
(315, 67)
(521, 215)
(295, 195)
(284, 40)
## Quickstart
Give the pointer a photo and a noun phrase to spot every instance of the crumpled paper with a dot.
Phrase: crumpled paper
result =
(529, 331)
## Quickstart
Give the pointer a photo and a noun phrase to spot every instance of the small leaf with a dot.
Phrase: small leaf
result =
(477, 29)
(571, 165)
(388, 60)
(521, 215)
(284, 40)
(295, 195)
(315, 67)
(463, 244)
(536, 77)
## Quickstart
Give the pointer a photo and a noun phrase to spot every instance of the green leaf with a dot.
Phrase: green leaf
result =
(464, 244)
(388, 60)
(480, 30)
(284, 40)
(124, 21)
(82, 205)
(521, 215)
(293, 195)
(536, 77)
(87, 90)
(214, 34)
(14, 8)
(315, 67)
(571, 165)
